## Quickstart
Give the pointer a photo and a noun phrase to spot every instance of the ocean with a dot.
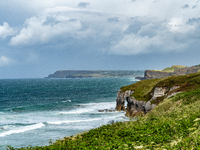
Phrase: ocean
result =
(33, 111)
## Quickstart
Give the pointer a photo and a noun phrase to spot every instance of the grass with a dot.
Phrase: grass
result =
(172, 68)
(143, 89)
(173, 124)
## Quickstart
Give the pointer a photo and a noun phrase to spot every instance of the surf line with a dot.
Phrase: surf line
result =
(28, 128)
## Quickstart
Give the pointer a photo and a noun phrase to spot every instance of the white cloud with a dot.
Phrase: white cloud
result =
(42, 29)
(6, 30)
(5, 61)
(128, 27)
(155, 36)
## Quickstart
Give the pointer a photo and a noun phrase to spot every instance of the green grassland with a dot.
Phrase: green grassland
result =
(172, 68)
(173, 124)
(143, 88)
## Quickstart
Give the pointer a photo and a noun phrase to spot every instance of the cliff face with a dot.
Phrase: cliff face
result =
(152, 74)
(144, 95)
(135, 106)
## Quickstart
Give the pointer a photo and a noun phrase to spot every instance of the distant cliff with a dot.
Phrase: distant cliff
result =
(170, 71)
(94, 74)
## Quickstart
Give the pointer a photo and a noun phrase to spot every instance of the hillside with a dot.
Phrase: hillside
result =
(173, 124)
(174, 70)
(143, 96)
(94, 74)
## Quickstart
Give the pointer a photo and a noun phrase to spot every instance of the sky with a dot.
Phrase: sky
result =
(38, 37)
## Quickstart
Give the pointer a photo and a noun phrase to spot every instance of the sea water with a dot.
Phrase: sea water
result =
(33, 111)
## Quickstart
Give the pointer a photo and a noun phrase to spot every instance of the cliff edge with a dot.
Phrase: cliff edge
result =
(174, 70)
(143, 96)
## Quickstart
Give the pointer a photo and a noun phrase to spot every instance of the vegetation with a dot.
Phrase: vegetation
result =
(94, 74)
(173, 124)
(172, 68)
(143, 89)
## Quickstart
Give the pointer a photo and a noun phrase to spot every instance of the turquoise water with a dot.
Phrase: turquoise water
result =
(33, 111)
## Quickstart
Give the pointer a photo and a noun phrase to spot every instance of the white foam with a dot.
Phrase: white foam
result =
(67, 101)
(133, 79)
(24, 129)
(2, 112)
(101, 104)
(77, 111)
(73, 121)
(91, 107)
(120, 116)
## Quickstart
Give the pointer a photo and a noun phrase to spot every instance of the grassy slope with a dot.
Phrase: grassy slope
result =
(172, 68)
(143, 88)
(173, 124)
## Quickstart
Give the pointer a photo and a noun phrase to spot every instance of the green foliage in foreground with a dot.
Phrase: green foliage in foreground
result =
(173, 124)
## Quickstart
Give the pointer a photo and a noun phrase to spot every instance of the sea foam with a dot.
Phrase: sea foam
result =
(73, 121)
(24, 129)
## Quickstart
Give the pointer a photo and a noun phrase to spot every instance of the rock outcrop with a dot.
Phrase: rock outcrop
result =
(151, 74)
(121, 96)
(135, 106)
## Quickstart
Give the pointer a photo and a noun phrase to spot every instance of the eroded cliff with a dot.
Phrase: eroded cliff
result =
(135, 106)
(144, 95)
(174, 70)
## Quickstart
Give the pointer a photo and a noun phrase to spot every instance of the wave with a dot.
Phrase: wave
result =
(24, 129)
(134, 79)
(67, 101)
(77, 111)
(119, 116)
(2, 113)
(73, 121)
(90, 107)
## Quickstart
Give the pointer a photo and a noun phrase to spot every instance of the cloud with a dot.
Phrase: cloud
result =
(193, 21)
(43, 29)
(114, 19)
(143, 37)
(83, 4)
(185, 6)
(6, 30)
(5, 61)
(144, 26)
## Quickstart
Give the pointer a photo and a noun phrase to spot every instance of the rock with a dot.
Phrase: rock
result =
(139, 78)
(100, 110)
(111, 122)
(151, 74)
(136, 107)
(175, 71)
(159, 92)
(121, 96)
(107, 110)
